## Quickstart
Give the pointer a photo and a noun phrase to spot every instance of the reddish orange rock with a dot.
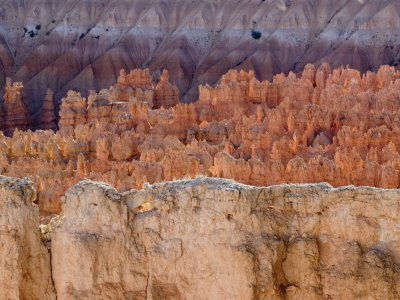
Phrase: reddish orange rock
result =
(47, 119)
(166, 94)
(16, 115)
(337, 126)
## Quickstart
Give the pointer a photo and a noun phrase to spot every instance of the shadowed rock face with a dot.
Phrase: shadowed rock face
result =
(212, 239)
(82, 45)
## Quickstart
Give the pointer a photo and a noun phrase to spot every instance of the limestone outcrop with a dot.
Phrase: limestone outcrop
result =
(205, 239)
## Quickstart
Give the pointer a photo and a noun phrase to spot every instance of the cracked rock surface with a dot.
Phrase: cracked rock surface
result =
(25, 271)
(216, 239)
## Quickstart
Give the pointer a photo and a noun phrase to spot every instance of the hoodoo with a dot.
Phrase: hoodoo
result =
(241, 149)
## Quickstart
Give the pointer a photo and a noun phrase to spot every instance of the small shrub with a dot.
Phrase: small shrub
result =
(256, 34)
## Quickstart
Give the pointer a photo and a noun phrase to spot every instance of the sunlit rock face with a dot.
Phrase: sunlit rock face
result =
(204, 239)
(325, 125)
(25, 270)
(82, 45)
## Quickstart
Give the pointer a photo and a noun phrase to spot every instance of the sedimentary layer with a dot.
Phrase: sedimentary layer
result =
(205, 239)
(82, 45)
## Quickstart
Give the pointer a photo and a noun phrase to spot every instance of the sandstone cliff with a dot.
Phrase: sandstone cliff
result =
(209, 239)
(82, 45)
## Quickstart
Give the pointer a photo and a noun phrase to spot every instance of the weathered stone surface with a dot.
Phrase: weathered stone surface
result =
(337, 126)
(85, 44)
(202, 239)
(166, 94)
(16, 115)
(24, 261)
(215, 239)
(47, 119)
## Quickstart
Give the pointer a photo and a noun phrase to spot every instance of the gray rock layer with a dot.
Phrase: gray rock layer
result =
(82, 45)
(215, 239)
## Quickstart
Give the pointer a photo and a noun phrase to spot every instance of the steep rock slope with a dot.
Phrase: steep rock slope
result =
(82, 45)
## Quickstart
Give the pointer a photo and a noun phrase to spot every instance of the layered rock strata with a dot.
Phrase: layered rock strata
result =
(214, 239)
(82, 45)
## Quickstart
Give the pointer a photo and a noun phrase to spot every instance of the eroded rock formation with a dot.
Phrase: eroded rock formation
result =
(82, 45)
(47, 119)
(337, 126)
(15, 111)
(166, 94)
(25, 271)
(212, 239)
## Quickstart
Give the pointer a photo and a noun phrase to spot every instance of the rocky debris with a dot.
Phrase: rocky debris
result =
(208, 239)
(25, 271)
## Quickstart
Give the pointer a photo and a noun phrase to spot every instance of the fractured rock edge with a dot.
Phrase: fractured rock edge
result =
(25, 271)
(206, 239)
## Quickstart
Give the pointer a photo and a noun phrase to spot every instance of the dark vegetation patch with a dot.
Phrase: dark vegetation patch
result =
(256, 34)
(32, 33)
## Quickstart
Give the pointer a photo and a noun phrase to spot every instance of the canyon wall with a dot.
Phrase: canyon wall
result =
(206, 239)
(326, 125)
(82, 45)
